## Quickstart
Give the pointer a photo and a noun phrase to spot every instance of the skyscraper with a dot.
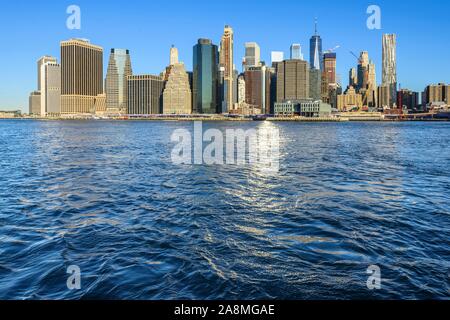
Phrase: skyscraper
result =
(315, 51)
(50, 88)
(330, 67)
(292, 80)
(40, 62)
(353, 78)
(177, 96)
(205, 77)
(145, 94)
(363, 68)
(277, 56)
(226, 61)
(35, 103)
(81, 75)
(252, 55)
(296, 52)
(390, 65)
(119, 68)
(173, 56)
(257, 88)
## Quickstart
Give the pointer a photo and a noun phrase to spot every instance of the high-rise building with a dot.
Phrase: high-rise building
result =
(227, 62)
(315, 84)
(371, 96)
(35, 103)
(407, 99)
(315, 51)
(252, 55)
(50, 88)
(384, 96)
(257, 88)
(330, 67)
(241, 89)
(363, 71)
(277, 56)
(119, 68)
(205, 77)
(81, 75)
(292, 80)
(173, 56)
(390, 65)
(296, 52)
(145, 94)
(353, 78)
(437, 93)
(40, 62)
(177, 96)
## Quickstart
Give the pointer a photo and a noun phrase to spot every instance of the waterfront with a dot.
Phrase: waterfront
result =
(106, 197)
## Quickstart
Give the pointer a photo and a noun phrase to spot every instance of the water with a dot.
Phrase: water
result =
(106, 197)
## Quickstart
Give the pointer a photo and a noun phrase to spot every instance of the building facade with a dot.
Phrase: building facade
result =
(303, 108)
(145, 94)
(350, 100)
(315, 51)
(257, 88)
(177, 96)
(205, 77)
(34, 103)
(50, 88)
(119, 68)
(81, 76)
(227, 62)
(292, 80)
(390, 66)
(252, 55)
(296, 52)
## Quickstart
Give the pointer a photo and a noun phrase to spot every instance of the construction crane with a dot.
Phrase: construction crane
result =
(357, 58)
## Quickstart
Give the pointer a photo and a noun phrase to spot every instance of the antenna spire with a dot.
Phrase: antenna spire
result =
(315, 26)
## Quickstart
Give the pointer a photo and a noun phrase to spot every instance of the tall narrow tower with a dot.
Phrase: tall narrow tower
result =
(226, 61)
(315, 51)
(390, 66)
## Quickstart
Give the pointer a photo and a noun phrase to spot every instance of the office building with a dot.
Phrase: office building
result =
(40, 63)
(292, 80)
(277, 56)
(35, 103)
(145, 94)
(119, 68)
(296, 52)
(227, 62)
(50, 88)
(353, 78)
(407, 99)
(257, 88)
(177, 96)
(81, 76)
(315, 84)
(205, 77)
(252, 55)
(315, 51)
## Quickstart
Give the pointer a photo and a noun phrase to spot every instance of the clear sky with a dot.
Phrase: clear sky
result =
(31, 29)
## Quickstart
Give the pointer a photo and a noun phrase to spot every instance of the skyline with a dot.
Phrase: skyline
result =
(149, 49)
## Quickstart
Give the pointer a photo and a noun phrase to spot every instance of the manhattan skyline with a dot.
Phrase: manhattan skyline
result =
(149, 37)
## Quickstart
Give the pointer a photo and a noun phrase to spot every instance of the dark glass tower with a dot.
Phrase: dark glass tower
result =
(315, 51)
(205, 77)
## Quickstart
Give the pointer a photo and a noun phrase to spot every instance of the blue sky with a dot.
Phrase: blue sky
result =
(148, 28)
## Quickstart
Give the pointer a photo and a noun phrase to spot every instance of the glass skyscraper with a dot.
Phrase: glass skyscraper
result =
(205, 77)
(315, 51)
(119, 68)
(296, 52)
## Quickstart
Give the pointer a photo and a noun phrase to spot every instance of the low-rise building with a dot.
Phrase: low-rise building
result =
(303, 108)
